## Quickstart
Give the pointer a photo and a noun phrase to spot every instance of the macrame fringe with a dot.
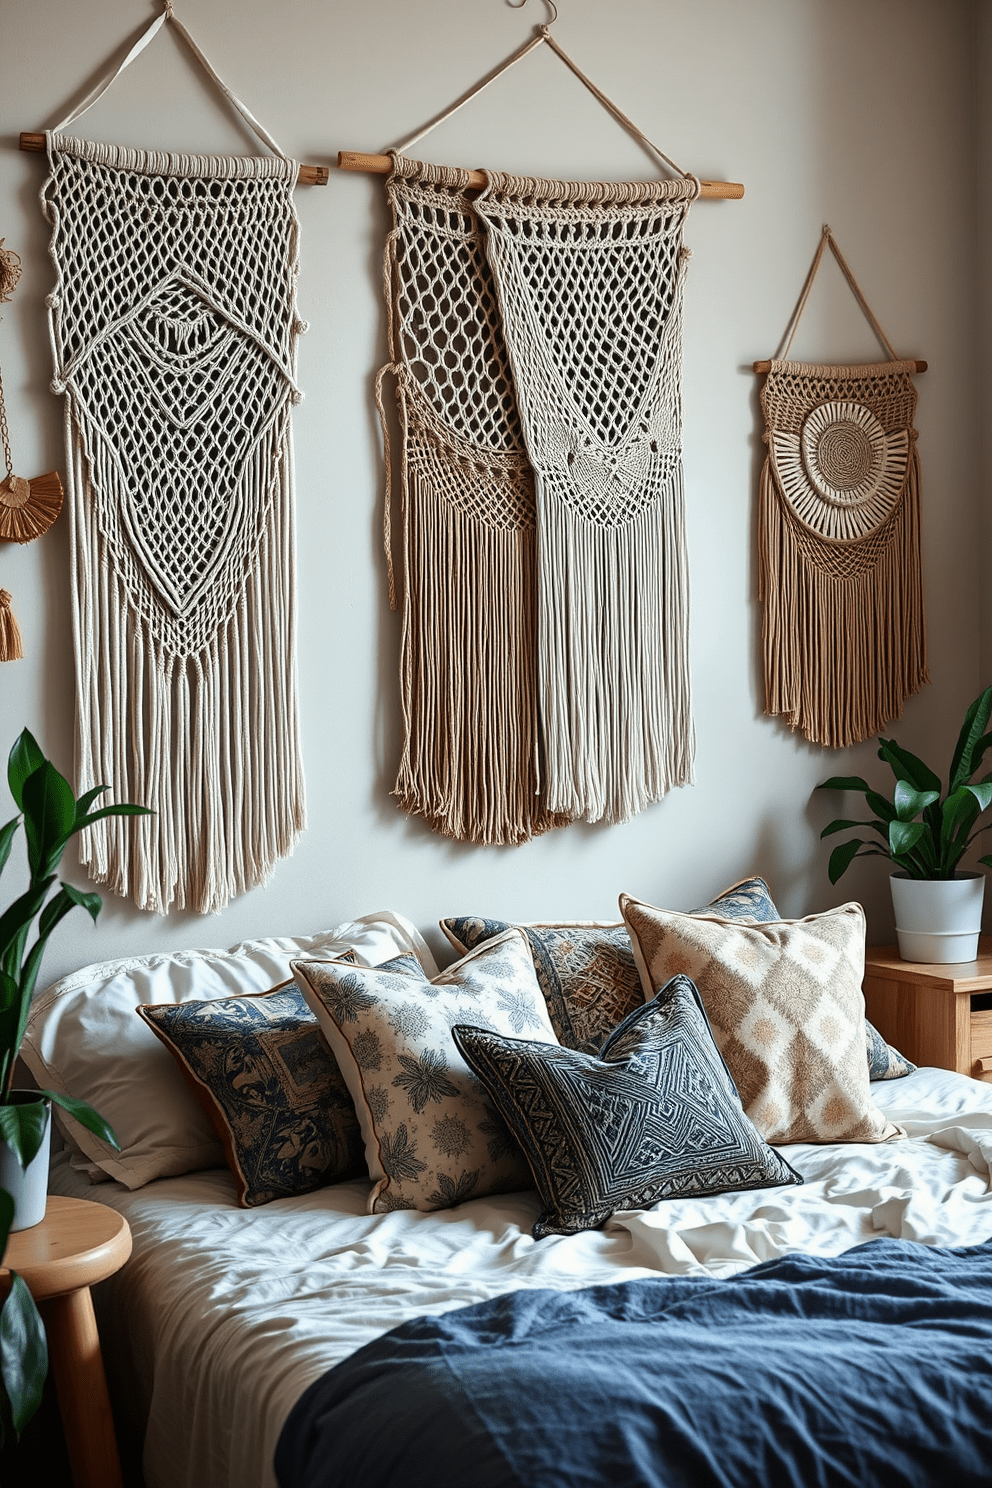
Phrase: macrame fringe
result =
(614, 666)
(468, 674)
(11, 648)
(208, 741)
(842, 652)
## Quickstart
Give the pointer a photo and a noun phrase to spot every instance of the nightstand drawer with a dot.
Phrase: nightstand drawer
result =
(981, 1044)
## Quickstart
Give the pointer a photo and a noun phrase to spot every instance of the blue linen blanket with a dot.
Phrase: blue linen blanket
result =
(869, 1370)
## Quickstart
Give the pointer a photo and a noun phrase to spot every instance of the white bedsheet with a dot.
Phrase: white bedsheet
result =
(223, 1316)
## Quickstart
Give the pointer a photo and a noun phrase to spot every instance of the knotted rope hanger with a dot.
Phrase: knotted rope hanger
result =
(789, 333)
(309, 175)
(382, 164)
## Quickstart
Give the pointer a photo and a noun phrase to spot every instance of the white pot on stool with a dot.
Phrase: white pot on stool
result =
(938, 919)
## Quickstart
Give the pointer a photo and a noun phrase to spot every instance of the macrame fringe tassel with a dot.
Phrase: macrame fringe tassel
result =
(11, 648)
(208, 741)
(614, 664)
(842, 652)
(470, 757)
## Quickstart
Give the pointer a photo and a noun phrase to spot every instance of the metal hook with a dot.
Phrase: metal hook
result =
(519, 5)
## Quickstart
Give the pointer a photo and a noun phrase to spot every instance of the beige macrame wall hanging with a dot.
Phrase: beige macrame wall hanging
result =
(535, 335)
(174, 332)
(839, 526)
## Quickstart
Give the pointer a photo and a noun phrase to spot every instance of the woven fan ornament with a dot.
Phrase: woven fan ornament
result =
(839, 539)
(27, 507)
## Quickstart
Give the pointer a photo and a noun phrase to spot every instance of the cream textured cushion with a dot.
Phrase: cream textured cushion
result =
(785, 1005)
(433, 1137)
(85, 1039)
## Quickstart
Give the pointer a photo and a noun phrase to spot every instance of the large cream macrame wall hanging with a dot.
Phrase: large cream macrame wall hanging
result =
(535, 334)
(839, 539)
(174, 332)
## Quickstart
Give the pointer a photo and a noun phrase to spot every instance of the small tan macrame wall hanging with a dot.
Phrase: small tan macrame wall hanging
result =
(535, 335)
(174, 332)
(27, 507)
(839, 538)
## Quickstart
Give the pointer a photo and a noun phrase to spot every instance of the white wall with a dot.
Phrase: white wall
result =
(856, 112)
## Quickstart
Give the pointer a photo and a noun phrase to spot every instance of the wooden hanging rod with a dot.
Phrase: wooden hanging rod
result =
(310, 175)
(381, 165)
(767, 366)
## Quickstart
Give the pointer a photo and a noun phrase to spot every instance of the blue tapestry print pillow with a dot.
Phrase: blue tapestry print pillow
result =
(586, 971)
(656, 1116)
(260, 1068)
(884, 1060)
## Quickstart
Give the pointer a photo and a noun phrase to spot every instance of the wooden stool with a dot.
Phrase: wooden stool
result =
(77, 1244)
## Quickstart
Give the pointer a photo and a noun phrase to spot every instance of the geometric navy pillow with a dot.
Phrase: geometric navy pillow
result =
(259, 1067)
(655, 1116)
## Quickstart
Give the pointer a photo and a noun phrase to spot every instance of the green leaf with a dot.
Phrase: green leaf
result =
(881, 806)
(844, 782)
(904, 836)
(23, 760)
(16, 919)
(6, 840)
(49, 816)
(86, 801)
(840, 858)
(906, 766)
(958, 815)
(982, 793)
(86, 1116)
(971, 744)
(23, 1353)
(842, 825)
(987, 860)
(123, 808)
(22, 1128)
(92, 903)
(909, 802)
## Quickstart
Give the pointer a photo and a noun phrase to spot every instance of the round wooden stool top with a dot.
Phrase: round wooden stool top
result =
(77, 1244)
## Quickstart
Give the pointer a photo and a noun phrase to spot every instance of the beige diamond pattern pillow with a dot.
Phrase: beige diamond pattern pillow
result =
(785, 1004)
(433, 1137)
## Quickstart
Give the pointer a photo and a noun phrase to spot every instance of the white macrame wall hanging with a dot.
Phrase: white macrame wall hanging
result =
(535, 334)
(839, 539)
(174, 332)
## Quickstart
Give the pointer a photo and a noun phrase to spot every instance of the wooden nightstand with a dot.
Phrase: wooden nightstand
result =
(934, 1014)
(77, 1244)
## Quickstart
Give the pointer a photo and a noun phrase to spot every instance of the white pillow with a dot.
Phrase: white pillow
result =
(85, 1040)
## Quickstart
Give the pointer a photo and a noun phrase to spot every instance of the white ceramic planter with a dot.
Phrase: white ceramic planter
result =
(940, 919)
(28, 1187)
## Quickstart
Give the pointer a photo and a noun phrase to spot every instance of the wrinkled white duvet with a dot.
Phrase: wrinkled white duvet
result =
(223, 1316)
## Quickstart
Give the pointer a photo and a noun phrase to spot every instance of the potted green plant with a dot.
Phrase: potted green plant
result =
(51, 815)
(925, 834)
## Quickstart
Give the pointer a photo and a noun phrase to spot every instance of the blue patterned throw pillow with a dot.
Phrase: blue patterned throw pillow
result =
(884, 1061)
(655, 1116)
(260, 1068)
(586, 970)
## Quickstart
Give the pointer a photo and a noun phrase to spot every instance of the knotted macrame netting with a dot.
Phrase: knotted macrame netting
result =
(839, 548)
(590, 278)
(174, 332)
(536, 339)
(470, 760)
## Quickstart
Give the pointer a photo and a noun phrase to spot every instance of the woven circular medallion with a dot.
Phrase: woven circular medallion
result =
(844, 451)
(843, 475)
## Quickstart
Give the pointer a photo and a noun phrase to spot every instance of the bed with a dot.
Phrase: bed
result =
(226, 1317)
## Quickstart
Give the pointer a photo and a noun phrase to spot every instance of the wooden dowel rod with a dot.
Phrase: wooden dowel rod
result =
(767, 366)
(381, 165)
(310, 175)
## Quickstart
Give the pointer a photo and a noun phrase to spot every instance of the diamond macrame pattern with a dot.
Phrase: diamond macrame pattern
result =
(187, 426)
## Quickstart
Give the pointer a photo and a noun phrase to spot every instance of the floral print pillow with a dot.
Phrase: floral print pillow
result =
(433, 1138)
